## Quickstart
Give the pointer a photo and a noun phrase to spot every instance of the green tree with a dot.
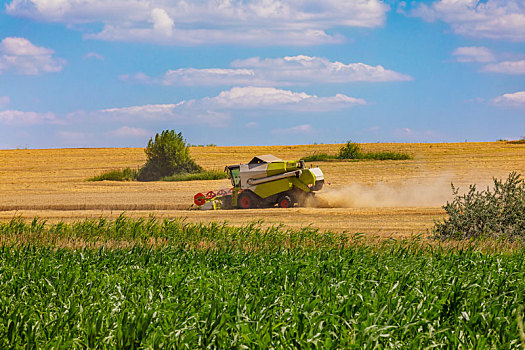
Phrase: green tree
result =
(167, 155)
(350, 150)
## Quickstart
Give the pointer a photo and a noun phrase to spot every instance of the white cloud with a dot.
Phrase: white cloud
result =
(296, 70)
(252, 37)
(254, 22)
(246, 98)
(473, 54)
(14, 117)
(93, 55)
(494, 19)
(185, 112)
(20, 55)
(215, 111)
(4, 101)
(298, 129)
(162, 22)
(127, 131)
(506, 67)
(516, 99)
(317, 69)
(212, 76)
(146, 111)
(270, 98)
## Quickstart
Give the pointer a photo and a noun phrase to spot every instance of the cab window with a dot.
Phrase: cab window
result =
(235, 177)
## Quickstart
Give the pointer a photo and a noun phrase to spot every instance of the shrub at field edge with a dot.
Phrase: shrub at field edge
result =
(497, 213)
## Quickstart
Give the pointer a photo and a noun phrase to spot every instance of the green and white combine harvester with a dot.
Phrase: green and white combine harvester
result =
(266, 181)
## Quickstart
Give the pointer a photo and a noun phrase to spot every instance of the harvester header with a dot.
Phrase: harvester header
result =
(265, 181)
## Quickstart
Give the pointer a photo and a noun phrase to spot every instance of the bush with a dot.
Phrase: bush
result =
(127, 174)
(350, 150)
(499, 213)
(167, 155)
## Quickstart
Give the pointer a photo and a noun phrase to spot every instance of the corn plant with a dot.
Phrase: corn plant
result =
(217, 286)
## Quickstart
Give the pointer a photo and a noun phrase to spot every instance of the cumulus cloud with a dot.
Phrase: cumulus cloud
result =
(146, 111)
(211, 76)
(494, 19)
(254, 22)
(21, 56)
(506, 67)
(516, 99)
(473, 54)
(294, 70)
(215, 111)
(271, 98)
(186, 112)
(14, 117)
(317, 69)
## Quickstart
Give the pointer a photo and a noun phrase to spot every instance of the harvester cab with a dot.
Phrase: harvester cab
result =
(266, 181)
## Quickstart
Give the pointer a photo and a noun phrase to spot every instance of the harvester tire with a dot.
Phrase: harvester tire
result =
(247, 200)
(285, 202)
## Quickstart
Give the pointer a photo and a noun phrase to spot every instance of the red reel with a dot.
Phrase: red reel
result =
(199, 199)
(210, 195)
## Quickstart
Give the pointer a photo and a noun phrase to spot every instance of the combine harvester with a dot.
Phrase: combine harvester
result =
(264, 182)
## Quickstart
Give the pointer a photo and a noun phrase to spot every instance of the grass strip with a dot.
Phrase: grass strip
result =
(352, 151)
(129, 174)
(204, 175)
(323, 157)
(126, 174)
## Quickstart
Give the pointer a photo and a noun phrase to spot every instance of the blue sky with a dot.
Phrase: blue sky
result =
(96, 73)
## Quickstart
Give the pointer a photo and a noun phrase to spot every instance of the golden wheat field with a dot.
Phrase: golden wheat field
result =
(385, 198)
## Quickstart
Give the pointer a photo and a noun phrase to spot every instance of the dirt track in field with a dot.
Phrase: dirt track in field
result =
(389, 198)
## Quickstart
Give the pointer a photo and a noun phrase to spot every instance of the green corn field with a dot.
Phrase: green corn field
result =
(153, 284)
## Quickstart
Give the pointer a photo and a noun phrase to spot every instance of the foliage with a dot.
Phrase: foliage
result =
(204, 175)
(167, 155)
(126, 174)
(384, 156)
(518, 142)
(250, 287)
(318, 157)
(350, 150)
(499, 212)
(208, 145)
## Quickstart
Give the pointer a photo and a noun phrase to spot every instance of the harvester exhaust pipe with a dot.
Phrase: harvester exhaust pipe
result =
(296, 173)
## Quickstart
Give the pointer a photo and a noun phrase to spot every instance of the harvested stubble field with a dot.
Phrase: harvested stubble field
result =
(387, 198)
(132, 283)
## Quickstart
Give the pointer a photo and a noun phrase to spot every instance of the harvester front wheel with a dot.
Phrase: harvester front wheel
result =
(247, 200)
(285, 202)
